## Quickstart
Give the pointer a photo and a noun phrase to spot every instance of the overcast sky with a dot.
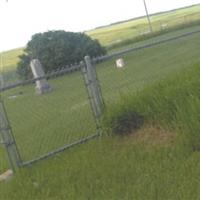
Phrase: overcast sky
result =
(20, 19)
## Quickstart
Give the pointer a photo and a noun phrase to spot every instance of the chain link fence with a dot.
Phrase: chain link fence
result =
(43, 125)
(3, 158)
(5, 163)
(46, 124)
(146, 63)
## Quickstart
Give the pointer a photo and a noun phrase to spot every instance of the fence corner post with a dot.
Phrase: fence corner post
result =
(8, 139)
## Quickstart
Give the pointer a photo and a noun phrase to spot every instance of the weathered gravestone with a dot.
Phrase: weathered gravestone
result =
(164, 26)
(42, 85)
(120, 63)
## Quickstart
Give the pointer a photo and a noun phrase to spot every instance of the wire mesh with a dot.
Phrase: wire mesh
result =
(3, 156)
(44, 123)
(145, 64)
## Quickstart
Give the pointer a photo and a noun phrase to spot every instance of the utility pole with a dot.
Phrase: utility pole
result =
(148, 18)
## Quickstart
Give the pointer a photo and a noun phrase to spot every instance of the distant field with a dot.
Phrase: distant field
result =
(127, 30)
(9, 64)
(10, 59)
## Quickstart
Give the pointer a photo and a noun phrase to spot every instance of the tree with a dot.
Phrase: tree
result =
(56, 49)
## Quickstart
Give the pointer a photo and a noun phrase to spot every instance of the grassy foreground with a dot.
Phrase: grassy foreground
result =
(156, 162)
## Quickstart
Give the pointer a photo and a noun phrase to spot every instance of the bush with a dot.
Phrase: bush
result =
(56, 49)
(122, 121)
(23, 66)
(126, 123)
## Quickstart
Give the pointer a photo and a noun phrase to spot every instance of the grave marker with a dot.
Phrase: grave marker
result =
(42, 85)
(120, 63)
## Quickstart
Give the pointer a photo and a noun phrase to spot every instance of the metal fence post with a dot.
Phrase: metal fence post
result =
(93, 88)
(8, 139)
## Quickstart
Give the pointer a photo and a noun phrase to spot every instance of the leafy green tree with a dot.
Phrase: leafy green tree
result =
(56, 49)
(23, 68)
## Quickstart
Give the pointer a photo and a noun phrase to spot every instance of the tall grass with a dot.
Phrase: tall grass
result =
(173, 102)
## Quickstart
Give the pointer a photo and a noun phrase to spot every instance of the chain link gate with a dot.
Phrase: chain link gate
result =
(48, 124)
(44, 125)
(4, 163)
(7, 141)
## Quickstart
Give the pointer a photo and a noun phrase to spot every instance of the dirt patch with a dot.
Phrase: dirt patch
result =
(153, 135)
(149, 136)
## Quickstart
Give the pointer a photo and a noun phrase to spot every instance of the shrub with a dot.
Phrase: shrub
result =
(126, 123)
(56, 49)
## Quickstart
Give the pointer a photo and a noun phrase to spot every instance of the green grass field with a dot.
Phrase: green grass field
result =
(50, 121)
(155, 163)
(68, 103)
(120, 32)
(10, 58)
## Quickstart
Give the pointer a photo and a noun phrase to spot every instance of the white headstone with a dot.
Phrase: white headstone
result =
(6, 176)
(120, 63)
(164, 26)
(42, 85)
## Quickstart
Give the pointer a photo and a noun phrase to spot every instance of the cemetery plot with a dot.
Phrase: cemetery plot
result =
(42, 85)
(145, 66)
(44, 123)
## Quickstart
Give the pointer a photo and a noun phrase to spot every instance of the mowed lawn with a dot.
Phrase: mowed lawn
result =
(43, 123)
(119, 32)
(154, 162)
(147, 66)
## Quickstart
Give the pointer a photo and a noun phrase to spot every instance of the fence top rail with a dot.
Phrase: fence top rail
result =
(49, 75)
(99, 59)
